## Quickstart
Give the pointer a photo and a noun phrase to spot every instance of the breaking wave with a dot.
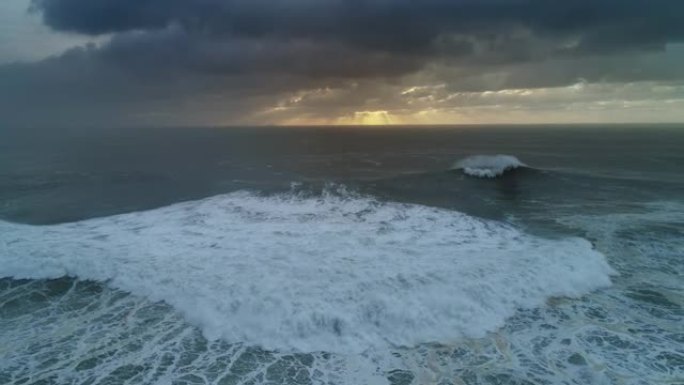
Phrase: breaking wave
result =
(488, 166)
(337, 272)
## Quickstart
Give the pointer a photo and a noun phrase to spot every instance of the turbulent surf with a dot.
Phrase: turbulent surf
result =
(340, 273)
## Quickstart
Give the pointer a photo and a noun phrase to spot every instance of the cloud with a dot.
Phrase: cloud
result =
(235, 61)
(381, 24)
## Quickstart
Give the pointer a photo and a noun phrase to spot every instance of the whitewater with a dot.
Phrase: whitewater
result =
(339, 272)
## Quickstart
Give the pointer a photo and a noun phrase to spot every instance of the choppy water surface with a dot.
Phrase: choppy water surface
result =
(341, 256)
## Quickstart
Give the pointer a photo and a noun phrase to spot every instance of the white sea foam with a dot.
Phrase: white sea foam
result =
(336, 273)
(488, 166)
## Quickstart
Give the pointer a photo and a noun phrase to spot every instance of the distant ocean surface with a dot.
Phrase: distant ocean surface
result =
(343, 255)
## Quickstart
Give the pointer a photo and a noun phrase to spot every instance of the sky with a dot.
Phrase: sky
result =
(300, 62)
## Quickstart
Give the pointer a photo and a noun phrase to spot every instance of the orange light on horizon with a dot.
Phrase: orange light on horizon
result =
(373, 118)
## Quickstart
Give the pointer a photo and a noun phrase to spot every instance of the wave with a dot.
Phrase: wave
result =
(488, 166)
(337, 272)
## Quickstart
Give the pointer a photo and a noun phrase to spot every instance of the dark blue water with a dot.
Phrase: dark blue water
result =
(342, 255)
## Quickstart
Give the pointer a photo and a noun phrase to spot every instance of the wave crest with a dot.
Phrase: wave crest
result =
(488, 166)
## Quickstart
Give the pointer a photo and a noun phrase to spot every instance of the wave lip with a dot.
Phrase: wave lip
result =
(336, 273)
(488, 166)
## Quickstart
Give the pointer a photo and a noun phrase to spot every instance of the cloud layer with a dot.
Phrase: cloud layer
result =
(250, 61)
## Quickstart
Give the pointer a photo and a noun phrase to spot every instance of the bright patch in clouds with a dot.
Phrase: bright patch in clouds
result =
(370, 118)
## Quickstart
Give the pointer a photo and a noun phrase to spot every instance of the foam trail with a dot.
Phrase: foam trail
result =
(333, 273)
(488, 166)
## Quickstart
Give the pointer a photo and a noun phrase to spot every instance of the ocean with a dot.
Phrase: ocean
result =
(343, 255)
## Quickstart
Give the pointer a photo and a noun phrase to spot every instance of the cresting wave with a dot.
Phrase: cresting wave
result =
(336, 273)
(488, 166)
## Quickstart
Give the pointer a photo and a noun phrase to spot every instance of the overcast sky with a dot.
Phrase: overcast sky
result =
(226, 62)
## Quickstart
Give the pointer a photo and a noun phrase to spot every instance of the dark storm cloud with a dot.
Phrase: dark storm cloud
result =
(222, 60)
(357, 38)
(382, 24)
(175, 48)
(360, 39)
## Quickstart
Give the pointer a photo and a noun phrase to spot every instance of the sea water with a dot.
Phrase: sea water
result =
(407, 255)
